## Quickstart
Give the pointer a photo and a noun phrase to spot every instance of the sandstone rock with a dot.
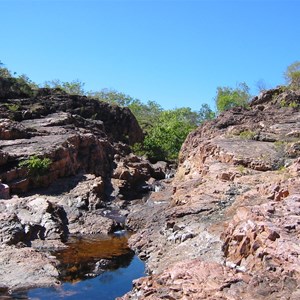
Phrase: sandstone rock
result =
(27, 268)
(75, 132)
(92, 223)
(11, 229)
(235, 203)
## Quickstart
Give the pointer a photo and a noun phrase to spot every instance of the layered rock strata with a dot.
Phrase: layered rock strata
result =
(78, 168)
(228, 226)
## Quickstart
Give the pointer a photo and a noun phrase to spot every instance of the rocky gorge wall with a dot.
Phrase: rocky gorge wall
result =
(91, 172)
(227, 227)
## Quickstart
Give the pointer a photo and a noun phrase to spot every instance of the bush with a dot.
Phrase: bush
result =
(36, 166)
(292, 75)
(228, 97)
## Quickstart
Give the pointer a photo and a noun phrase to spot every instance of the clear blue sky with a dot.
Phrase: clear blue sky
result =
(174, 52)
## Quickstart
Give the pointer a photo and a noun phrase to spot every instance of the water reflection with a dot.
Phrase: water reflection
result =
(89, 256)
(92, 267)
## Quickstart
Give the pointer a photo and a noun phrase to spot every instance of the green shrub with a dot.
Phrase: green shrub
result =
(241, 169)
(228, 97)
(292, 75)
(12, 107)
(36, 166)
(293, 104)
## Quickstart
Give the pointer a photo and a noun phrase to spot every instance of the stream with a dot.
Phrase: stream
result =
(92, 267)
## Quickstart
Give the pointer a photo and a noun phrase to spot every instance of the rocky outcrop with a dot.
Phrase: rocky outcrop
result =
(76, 133)
(117, 123)
(27, 268)
(229, 227)
(66, 168)
(14, 88)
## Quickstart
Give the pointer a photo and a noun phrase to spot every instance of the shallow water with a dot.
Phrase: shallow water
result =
(93, 267)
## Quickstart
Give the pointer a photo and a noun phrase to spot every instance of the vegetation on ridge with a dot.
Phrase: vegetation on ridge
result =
(228, 97)
(165, 130)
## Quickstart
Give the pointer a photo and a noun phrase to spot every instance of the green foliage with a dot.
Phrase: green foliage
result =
(165, 130)
(205, 113)
(36, 166)
(146, 114)
(280, 144)
(292, 75)
(228, 97)
(247, 135)
(12, 107)
(282, 169)
(24, 80)
(21, 83)
(164, 139)
(74, 87)
(112, 97)
(241, 169)
(292, 104)
(283, 103)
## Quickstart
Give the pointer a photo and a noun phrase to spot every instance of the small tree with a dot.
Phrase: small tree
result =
(228, 97)
(261, 85)
(292, 75)
(164, 138)
(205, 113)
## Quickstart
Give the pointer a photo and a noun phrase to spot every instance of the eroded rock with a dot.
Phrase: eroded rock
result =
(230, 228)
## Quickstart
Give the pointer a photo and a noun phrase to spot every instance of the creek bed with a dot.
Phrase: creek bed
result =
(92, 267)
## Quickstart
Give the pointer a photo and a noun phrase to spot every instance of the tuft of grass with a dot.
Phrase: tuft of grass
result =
(241, 169)
(280, 144)
(247, 135)
(293, 104)
(12, 107)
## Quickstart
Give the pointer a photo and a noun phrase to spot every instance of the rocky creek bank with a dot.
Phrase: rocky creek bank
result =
(227, 226)
(87, 187)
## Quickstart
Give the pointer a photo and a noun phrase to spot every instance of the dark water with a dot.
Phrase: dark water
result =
(93, 267)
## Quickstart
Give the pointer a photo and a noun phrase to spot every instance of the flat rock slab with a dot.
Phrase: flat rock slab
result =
(26, 268)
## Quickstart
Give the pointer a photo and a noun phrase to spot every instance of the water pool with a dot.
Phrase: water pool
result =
(93, 267)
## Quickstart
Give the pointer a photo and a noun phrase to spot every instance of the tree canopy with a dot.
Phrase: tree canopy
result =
(228, 97)
(164, 139)
(292, 75)
(165, 130)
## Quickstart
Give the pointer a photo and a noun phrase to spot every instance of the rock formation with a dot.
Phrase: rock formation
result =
(65, 162)
(230, 229)
(226, 226)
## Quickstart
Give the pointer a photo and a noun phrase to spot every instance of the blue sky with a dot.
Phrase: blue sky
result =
(173, 52)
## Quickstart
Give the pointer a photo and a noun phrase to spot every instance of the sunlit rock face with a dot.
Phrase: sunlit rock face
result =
(76, 133)
(85, 188)
(229, 229)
